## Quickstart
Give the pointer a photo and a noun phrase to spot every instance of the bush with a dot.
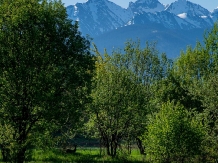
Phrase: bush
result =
(172, 135)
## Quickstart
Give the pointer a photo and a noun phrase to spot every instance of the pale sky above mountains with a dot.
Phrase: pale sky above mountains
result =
(208, 4)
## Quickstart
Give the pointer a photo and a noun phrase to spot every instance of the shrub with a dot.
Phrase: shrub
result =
(172, 135)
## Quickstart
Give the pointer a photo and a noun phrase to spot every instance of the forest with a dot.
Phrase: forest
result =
(57, 89)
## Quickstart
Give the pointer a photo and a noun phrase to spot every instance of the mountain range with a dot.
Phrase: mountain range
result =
(172, 26)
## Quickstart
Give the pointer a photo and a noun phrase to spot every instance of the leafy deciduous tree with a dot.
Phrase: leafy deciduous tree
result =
(122, 91)
(45, 74)
(114, 103)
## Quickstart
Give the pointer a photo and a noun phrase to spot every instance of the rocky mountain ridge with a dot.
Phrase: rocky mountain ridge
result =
(99, 16)
(173, 27)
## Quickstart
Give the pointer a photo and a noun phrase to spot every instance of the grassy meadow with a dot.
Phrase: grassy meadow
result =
(84, 155)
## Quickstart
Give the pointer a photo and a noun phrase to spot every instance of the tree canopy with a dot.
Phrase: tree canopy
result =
(45, 74)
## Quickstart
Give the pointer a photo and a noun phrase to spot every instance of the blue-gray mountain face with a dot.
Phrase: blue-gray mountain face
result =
(173, 26)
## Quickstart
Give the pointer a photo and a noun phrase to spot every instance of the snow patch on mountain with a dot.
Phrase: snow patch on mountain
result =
(183, 15)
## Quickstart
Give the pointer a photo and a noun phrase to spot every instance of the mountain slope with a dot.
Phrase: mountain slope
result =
(214, 15)
(98, 16)
(141, 6)
(169, 41)
(168, 20)
(173, 26)
(192, 13)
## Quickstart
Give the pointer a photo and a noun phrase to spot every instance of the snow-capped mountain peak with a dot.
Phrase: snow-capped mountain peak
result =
(141, 6)
(182, 1)
(99, 16)
(193, 13)
(173, 25)
(184, 6)
(215, 10)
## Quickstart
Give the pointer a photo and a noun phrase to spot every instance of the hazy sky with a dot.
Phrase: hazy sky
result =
(208, 4)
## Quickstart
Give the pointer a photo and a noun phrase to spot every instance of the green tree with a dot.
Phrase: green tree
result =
(149, 67)
(121, 94)
(114, 103)
(206, 89)
(192, 66)
(175, 88)
(45, 74)
(172, 135)
(192, 83)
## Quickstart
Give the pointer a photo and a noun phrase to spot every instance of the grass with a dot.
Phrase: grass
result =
(83, 155)
(89, 155)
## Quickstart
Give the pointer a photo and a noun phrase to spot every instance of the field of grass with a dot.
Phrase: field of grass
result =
(84, 155)
(92, 155)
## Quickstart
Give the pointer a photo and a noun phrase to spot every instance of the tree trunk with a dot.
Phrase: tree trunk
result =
(115, 149)
(114, 145)
(107, 145)
(129, 146)
(140, 146)
(20, 155)
(110, 143)
(111, 148)
(5, 154)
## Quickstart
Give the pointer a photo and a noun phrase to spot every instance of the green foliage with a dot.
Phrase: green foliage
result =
(45, 74)
(172, 135)
(210, 46)
(192, 83)
(115, 102)
(145, 62)
(189, 71)
(200, 61)
(193, 64)
(121, 93)
(208, 92)
(174, 88)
